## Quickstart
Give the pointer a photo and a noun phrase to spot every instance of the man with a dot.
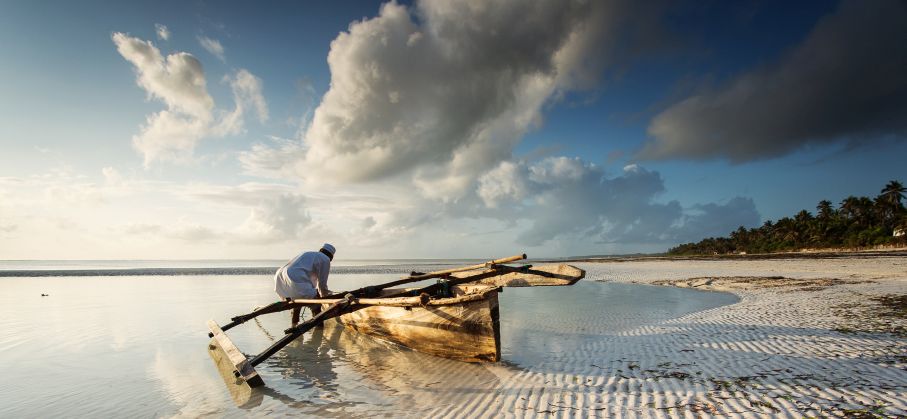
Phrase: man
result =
(305, 276)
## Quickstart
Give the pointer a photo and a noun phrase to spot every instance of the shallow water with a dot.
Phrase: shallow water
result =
(136, 346)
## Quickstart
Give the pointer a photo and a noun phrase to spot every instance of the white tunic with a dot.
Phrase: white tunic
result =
(304, 276)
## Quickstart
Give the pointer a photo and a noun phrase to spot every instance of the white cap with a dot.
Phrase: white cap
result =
(329, 248)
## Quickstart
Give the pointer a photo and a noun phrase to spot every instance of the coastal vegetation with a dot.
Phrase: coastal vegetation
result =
(856, 223)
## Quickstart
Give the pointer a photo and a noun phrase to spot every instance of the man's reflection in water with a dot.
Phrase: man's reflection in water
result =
(309, 361)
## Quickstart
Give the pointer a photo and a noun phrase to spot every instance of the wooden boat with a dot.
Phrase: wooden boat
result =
(464, 326)
(456, 318)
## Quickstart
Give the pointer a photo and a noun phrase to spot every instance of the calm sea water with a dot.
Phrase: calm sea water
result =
(102, 346)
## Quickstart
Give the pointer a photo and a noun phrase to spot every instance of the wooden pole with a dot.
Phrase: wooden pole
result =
(396, 302)
(372, 291)
(292, 333)
(438, 274)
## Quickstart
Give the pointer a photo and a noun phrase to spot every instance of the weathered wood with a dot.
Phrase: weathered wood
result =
(241, 393)
(241, 364)
(393, 302)
(535, 276)
(438, 274)
(374, 290)
(332, 310)
(270, 308)
(464, 327)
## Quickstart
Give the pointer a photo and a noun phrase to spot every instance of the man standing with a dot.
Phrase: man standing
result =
(305, 276)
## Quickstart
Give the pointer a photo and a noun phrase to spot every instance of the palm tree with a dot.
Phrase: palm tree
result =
(894, 192)
(849, 207)
(824, 211)
(888, 203)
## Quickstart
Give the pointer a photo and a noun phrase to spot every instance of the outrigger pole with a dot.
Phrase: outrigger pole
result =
(245, 367)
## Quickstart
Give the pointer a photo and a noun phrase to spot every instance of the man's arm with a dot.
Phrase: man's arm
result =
(324, 269)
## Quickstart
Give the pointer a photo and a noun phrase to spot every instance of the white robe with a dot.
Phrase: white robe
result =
(305, 276)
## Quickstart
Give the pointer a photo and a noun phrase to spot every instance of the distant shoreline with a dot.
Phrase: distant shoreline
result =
(802, 254)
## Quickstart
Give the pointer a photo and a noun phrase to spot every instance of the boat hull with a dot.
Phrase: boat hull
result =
(465, 327)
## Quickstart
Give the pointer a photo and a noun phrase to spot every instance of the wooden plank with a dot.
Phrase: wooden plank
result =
(535, 276)
(237, 359)
(437, 274)
(242, 394)
(395, 302)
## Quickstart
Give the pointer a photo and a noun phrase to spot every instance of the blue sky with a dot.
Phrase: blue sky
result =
(436, 129)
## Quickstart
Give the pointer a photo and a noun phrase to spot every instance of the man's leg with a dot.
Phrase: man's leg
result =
(294, 318)
(316, 309)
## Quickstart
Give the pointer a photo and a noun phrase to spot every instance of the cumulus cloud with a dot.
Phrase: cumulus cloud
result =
(845, 81)
(213, 47)
(178, 80)
(563, 197)
(162, 32)
(427, 104)
(567, 198)
(443, 92)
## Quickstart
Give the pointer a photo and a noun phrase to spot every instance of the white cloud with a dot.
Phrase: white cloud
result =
(213, 46)
(426, 105)
(247, 92)
(162, 32)
(505, 182)
(439, 94)
(179, 81)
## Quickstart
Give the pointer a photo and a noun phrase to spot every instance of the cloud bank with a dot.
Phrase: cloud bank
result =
(426, 105)
(443, 92)
(564, 197)
(845, 81)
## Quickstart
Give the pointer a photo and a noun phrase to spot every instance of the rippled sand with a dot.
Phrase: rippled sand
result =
(813, 347)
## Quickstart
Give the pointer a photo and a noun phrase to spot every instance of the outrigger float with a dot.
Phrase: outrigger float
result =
(457, 317)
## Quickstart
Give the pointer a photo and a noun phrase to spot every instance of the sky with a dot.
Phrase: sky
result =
(436, 129)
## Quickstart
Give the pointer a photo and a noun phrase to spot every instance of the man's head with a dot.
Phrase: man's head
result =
(328, 250)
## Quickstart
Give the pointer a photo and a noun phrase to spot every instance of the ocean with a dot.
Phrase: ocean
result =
(128, 338)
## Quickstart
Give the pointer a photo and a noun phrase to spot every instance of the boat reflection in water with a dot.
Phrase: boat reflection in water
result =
(334, 371)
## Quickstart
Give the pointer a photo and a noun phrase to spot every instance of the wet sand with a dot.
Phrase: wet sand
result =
(809, 337)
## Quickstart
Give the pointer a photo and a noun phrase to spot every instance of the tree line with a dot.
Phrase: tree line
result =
(857, 222)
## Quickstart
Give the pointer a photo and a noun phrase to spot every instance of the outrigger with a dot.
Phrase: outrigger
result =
(457, 317)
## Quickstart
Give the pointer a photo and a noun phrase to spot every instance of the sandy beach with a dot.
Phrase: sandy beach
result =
(808, 338)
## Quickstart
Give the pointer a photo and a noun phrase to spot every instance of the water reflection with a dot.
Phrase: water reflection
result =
(332, 371)
(243, 396)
